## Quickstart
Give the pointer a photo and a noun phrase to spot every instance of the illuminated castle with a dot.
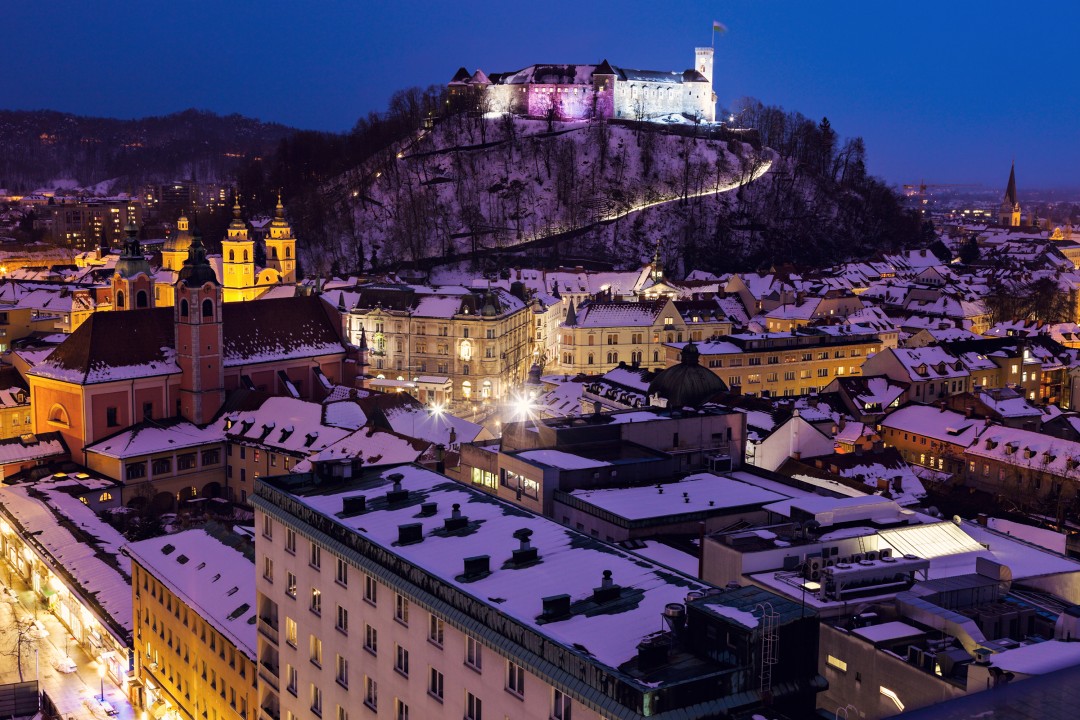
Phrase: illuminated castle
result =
(576, 92)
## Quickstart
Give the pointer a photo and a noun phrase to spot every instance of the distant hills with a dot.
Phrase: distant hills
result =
(42, 146)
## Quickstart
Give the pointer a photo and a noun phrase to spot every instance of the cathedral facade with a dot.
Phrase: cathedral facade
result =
(578, 92)
(241, 277)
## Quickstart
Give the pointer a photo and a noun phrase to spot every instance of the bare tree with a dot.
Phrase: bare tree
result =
(18, 639)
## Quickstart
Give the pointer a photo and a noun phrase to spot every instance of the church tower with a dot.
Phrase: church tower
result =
(1009, 214)
(133, 280)
(238, 260)
(281, 246)
(176, 247)
(199, 337)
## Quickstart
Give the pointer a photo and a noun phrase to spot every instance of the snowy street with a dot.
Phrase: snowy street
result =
(73, 692)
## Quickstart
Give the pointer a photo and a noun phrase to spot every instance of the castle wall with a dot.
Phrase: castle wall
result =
(643, 100)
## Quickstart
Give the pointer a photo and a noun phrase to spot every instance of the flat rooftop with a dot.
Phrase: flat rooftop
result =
(568, 562)
(702, 492)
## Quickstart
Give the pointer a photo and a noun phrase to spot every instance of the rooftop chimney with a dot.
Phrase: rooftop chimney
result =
(607, 591)
(397, 495)
(353, 505)
(456, 521)
(525, 554)
(410, 533)
(555, 607)
(476, 567)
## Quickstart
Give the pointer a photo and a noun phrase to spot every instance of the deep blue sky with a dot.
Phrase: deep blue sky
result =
(944, 91)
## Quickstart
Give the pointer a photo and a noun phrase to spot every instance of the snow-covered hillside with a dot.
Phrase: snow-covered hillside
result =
(475, 184)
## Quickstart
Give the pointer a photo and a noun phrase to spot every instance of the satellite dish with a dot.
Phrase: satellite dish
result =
(958, 520)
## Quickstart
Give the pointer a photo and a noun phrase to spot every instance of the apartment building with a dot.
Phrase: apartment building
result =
(786, 364)
(473, 345)
(387, 596)
(192, 597)
(597, 335)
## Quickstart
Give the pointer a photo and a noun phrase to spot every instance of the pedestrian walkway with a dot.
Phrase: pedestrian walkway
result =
(69, 691)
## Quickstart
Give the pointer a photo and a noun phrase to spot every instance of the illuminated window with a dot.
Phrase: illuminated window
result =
(835, 662)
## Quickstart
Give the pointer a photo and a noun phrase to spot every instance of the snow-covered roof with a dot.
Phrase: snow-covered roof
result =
(215, 580)
(569, 562)
(83, 549)
(148, 438)
(560, 459)
(937, 423)
(701, 492)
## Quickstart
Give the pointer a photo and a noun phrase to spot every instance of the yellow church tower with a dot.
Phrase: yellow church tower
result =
(281, 246)
(176, 247)
(238, 260)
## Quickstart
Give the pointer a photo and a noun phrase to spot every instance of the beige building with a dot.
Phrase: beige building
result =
(597, 335)
(372, 603)
(471, 345)
(15, 417)
(786, 364)
(192, 601)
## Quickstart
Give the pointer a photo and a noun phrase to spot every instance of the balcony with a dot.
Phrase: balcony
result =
(266, 713)
(267, 630)
(269, 673)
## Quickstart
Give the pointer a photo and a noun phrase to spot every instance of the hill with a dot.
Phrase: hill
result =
(40, 147)
(495, 186)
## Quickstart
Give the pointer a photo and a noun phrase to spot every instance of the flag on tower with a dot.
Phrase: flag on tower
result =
(719, 27)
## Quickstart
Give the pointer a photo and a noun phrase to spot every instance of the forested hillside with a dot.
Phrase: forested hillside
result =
(41, 147)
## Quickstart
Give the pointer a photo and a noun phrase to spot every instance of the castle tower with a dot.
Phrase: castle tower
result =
(1009, 214)
(703, 63)
(281, 246)
(176, 247)
(238, 260)
(199, 338)
(133, 280)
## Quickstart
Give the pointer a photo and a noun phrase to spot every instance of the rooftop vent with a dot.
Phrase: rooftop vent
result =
(525, 554)
(607, 591)
(410, 533)
(556, 606)
(476, 567)
(397, 495)
(653, 652)
(675, 617)
(456, 521)
(354, 504)
(428, 509)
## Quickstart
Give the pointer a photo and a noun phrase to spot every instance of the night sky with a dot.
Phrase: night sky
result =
(944, 92)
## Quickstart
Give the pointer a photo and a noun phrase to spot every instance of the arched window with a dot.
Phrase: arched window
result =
(141, 299)
(273, 253)
(207, 308)
(119, 299)
(183, 308)
(232, 256)
(288, 251)
(105, 496)
(58, 415)
(590, 359)
(245, 256)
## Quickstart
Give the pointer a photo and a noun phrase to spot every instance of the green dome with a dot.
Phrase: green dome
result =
(687, 384)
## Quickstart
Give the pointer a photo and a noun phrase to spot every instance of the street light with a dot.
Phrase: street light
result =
(101, 677)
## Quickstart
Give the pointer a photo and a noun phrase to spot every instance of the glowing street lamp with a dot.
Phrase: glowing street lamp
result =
(101, 677)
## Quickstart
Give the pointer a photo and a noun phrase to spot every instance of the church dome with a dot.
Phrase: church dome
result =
(687, 384)
(179, 241)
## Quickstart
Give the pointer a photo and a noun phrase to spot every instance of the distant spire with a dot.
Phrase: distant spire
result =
(571, 316)
(1010, 189)
(279, 211)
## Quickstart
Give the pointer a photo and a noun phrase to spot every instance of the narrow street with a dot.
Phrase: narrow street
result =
(69, 691)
